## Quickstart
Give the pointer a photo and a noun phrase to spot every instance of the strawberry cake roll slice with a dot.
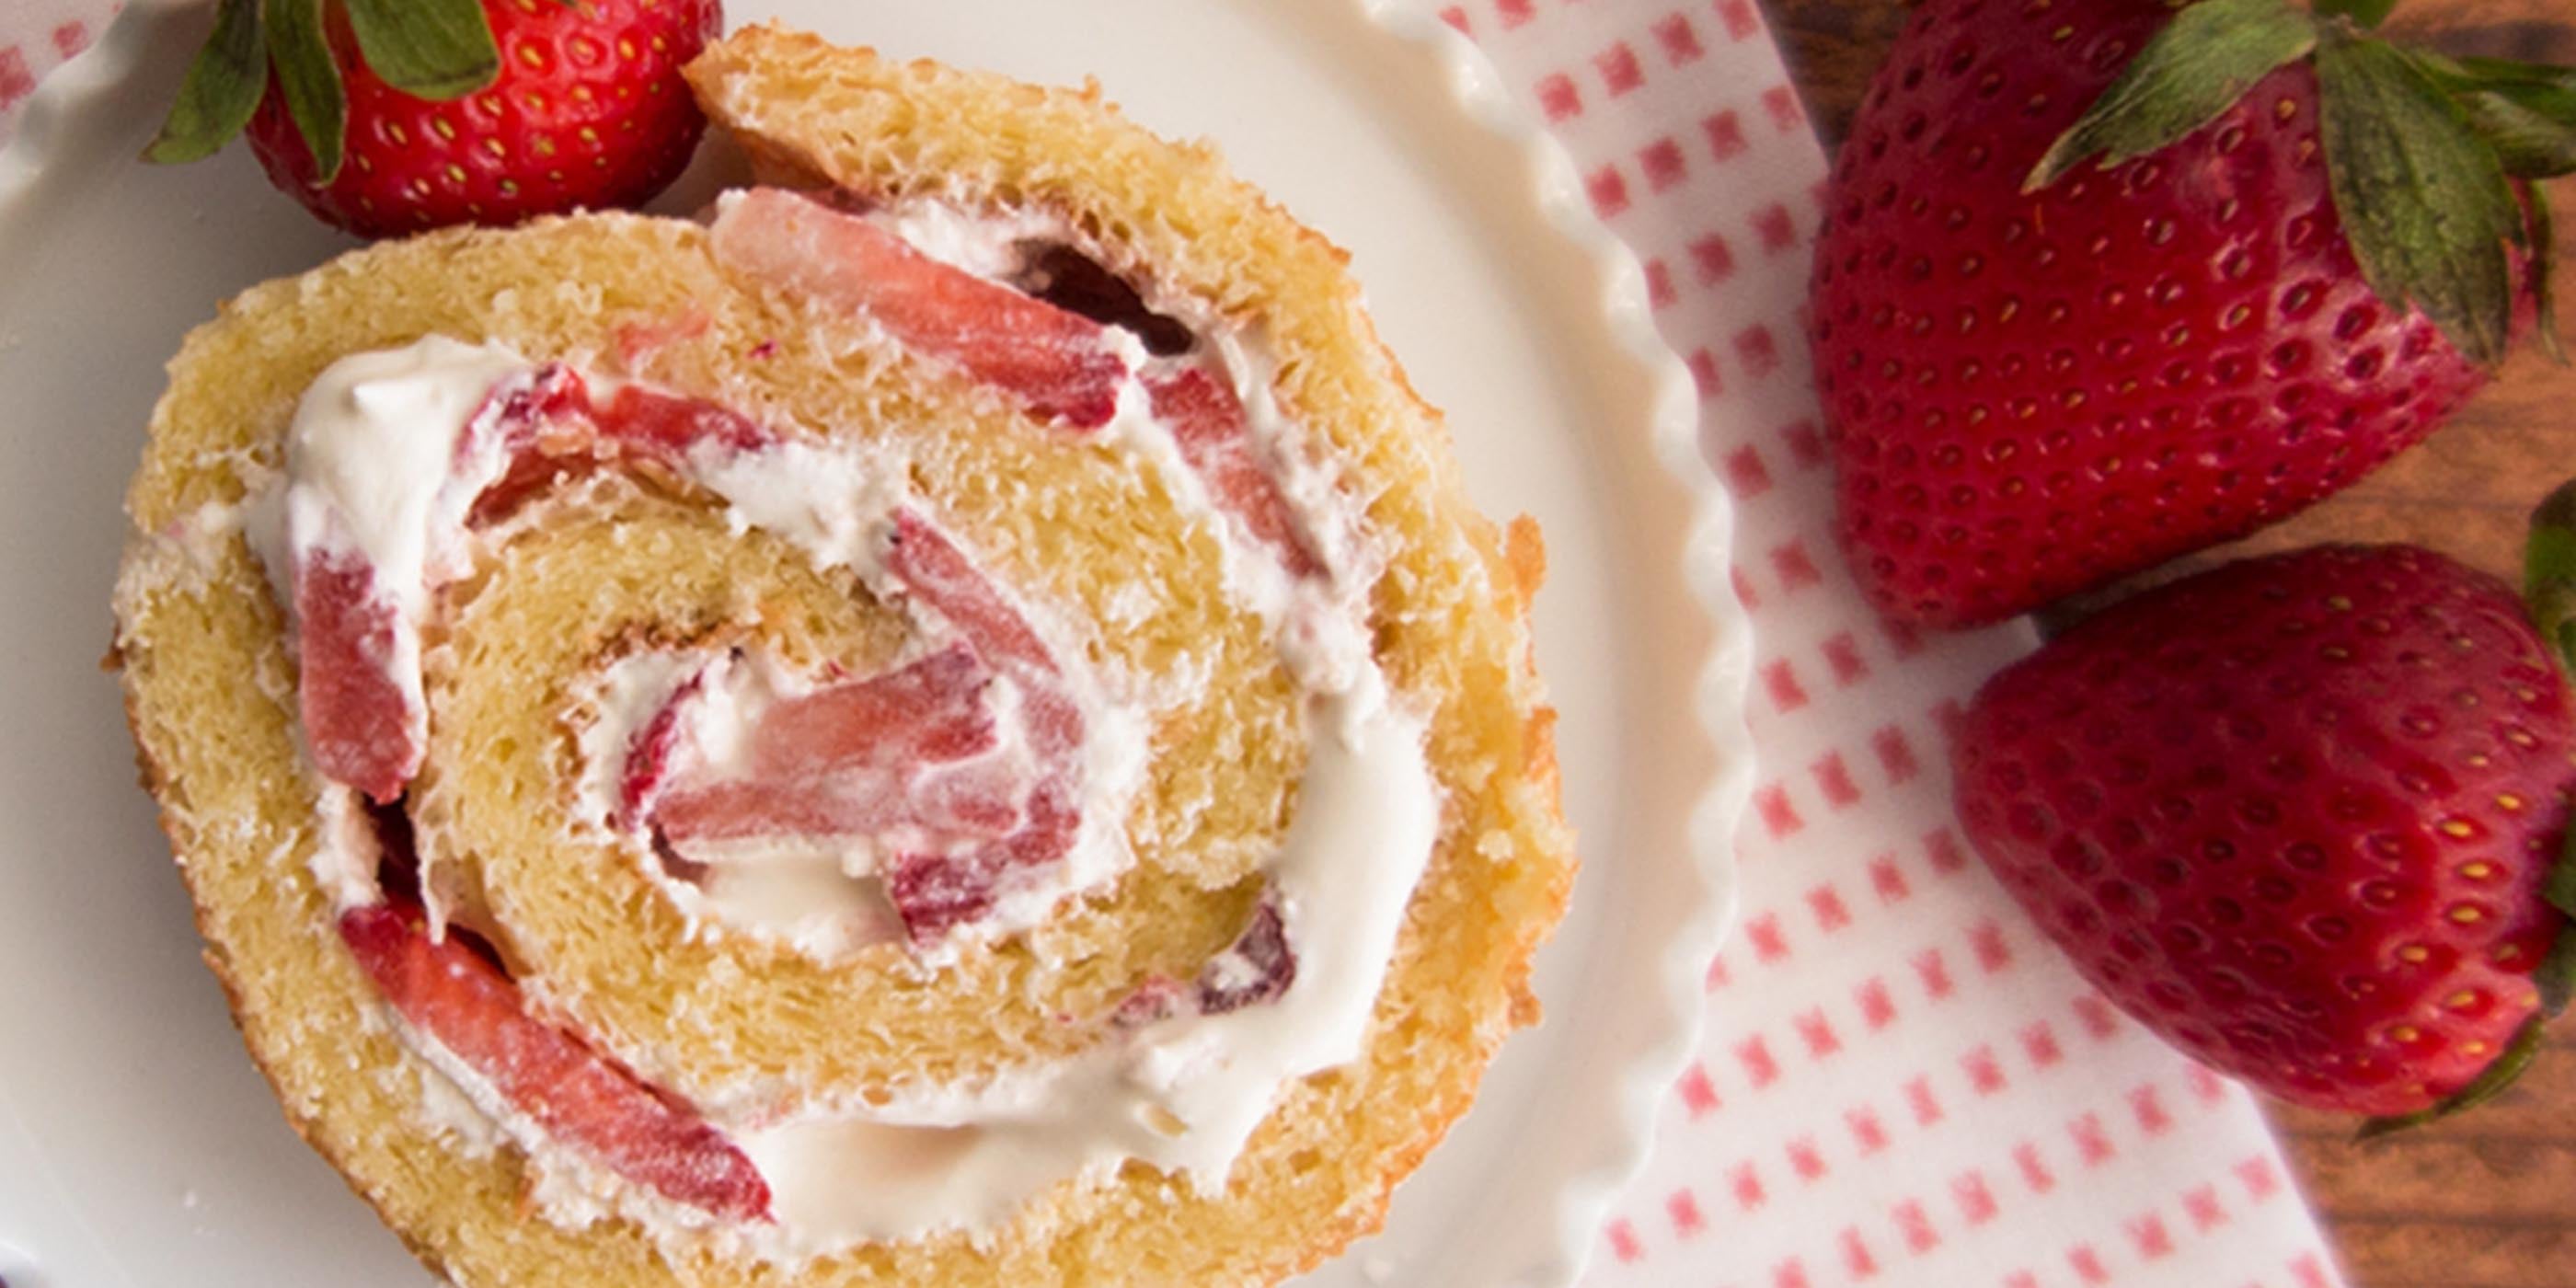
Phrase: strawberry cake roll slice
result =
(950, 722)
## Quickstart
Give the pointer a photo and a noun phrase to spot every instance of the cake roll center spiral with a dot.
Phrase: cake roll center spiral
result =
(959, 791)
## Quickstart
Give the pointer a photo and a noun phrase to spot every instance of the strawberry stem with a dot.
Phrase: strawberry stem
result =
(2527, 111)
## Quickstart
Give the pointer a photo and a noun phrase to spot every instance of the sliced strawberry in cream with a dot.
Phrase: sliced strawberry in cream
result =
(1208, 425)
(669, 427)
(964, 766)
(958, 778)
(858, 758)
(929, 711)
(1258, 968)
(579, 1099)
(389, 451)
(649, 757)
(1058, 361)
(937, 892)
(1061, 364)
(363, 729)
(554, 431)
(544, 432)
(935, 572)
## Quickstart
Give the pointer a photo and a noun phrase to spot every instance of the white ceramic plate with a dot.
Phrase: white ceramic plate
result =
(137, 1145)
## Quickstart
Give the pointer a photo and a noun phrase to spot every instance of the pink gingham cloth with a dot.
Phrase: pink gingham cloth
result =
(1901, 1084)
(37, 36)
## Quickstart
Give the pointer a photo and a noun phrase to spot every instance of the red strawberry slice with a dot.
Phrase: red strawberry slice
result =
(1060, 363)
(446, 990)
(356, 718)
(849, 759)
(1207, 423)
(1268, 965)
(905, 754)
(542, 423)
(939, 574)
(649, 754)
(668, 427)
(1057, 360)
(930, 710)
(936, 893)
(557, 432)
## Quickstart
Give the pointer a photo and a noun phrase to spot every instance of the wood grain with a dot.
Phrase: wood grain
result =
(2489, 1200)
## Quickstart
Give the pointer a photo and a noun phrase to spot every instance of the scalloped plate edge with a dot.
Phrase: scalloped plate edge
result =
(1725, 676)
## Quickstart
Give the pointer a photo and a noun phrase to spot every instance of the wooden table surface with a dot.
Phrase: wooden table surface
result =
(2487, 1200)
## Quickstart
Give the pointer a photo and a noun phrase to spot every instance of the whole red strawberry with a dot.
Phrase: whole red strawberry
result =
(2300, 815)
(2056, 351)
(392, 116)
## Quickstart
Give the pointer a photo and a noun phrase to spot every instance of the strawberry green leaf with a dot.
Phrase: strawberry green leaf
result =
(2423, 198)
(434, 49)
(221, 90)
(2531, 127)
(2195, 69)
(2507, 1070)
(2503, 71)
(2527, 111)
(2366, 13)
(310, 80)
(2549, 576)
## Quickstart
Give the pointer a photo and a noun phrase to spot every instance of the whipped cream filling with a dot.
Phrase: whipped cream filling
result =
(365, 484)
(385, 459)
(814, 896)
(817, 895)
(984, 244)
(1184, 1093)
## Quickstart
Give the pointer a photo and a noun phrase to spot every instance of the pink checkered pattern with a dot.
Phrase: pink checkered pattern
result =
(1901, 1084)
(36, 36)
